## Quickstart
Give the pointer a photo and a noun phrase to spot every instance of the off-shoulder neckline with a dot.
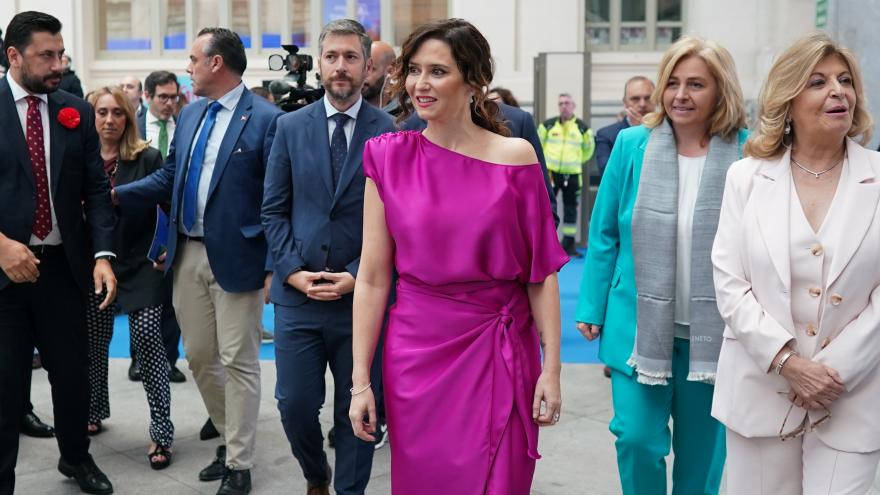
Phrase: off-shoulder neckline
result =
(422, 137)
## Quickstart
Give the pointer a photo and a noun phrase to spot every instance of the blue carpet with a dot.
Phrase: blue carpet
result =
(575, 349)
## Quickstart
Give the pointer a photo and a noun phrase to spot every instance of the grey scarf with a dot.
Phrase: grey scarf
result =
(654, 234)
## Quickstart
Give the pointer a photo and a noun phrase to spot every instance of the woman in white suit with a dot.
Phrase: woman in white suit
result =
(797, 277)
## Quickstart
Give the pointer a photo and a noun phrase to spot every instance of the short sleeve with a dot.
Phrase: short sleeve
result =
(374, 162)
(545, 253)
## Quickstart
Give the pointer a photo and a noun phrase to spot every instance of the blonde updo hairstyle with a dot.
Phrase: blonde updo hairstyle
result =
(730, 113)
(786, 80)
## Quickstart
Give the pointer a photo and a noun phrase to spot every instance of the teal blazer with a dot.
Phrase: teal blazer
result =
(608, 287)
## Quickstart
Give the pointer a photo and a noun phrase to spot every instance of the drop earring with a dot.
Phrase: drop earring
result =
(787, 127)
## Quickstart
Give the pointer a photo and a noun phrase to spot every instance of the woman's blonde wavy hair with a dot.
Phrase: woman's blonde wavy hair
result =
(130, 144)
(787, 79)
(730, 113)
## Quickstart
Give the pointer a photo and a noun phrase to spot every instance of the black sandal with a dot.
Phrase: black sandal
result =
(98, 428)
(160, 451)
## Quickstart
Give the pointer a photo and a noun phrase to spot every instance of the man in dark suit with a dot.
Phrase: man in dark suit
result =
(313, 218)
(521, 125)
(51, 177)
(157, 124)
(636, 104)
(213, 177)
(69, 80)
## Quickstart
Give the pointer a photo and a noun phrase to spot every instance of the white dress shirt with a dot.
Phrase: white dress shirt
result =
(19, 96)
(152, 129)
(224, 116)
(690, 171)
(349, 124)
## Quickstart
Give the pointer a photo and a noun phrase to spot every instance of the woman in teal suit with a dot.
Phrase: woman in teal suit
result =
(647, 284)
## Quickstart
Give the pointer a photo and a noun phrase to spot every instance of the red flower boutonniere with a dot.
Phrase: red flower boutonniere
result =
(69, 117)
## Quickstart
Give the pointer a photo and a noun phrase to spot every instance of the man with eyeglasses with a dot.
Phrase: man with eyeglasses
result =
(161, 91)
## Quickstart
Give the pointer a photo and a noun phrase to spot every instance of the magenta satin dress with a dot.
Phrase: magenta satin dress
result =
(462, 354)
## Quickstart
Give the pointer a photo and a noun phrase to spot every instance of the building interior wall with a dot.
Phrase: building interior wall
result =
(754, 31)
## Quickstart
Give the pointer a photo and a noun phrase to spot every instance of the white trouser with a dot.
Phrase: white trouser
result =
(799, 466)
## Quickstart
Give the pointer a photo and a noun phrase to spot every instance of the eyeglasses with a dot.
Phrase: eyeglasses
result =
(805, 425)
(166, 98)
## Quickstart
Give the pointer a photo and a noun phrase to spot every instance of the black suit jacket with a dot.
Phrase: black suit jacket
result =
(521, 125)
(78, 186)
(140, 285)
(70, 83)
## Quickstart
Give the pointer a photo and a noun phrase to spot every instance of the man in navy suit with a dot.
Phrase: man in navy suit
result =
(636, 104)
(521, 125)
(213, 177)
(56, 232)
(313, 218)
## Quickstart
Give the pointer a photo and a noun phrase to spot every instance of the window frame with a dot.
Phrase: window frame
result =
(224, 10)
(615, 26)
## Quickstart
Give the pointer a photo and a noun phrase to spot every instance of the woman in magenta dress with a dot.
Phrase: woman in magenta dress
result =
(461, 212)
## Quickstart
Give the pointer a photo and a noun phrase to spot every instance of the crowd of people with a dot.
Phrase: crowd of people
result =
(730, 272)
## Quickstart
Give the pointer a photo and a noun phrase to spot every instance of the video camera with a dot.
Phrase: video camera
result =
(291, 91)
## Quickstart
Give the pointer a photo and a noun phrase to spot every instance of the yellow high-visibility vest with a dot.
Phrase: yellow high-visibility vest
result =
(567, 145)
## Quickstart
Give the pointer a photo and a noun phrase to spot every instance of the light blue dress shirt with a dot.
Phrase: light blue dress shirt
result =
(224, 116)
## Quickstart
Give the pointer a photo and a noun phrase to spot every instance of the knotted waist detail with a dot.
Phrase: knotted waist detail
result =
(503, 308)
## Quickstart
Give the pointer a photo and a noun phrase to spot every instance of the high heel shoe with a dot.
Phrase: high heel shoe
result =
(154, 457)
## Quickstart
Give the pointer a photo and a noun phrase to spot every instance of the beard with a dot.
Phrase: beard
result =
(371, 91)
(345, 94)
(39, 84)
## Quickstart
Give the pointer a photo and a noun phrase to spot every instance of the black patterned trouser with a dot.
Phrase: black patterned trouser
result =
(146, 335)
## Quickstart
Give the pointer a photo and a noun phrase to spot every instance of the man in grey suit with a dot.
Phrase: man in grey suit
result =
(313, 218)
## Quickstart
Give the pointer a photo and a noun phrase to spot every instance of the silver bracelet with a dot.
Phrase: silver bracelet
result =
(785, 358)
(353, 393)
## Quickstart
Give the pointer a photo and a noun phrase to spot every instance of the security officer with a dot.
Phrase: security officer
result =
(568, 144)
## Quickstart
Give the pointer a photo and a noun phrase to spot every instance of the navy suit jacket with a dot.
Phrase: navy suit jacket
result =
(233, 234)
(309, 225)
(521, 125)
(78, 185)
(605, 138)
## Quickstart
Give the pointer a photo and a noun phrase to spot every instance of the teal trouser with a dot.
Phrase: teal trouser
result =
(641, 425)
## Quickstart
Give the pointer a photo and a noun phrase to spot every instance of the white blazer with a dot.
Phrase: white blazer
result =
(752, 262)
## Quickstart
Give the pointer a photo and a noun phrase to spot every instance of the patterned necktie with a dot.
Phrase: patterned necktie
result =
(37, 150)
(191, 188)
(163, 137)
(338, 146)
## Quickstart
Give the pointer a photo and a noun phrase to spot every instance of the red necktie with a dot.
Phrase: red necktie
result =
(37, 150)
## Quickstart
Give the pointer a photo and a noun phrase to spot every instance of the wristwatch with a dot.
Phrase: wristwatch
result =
(105, 257)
